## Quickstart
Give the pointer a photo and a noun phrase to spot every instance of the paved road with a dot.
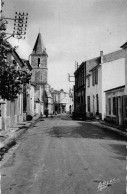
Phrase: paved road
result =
(61, 156)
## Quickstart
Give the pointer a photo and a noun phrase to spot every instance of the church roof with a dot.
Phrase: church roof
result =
(39, 47)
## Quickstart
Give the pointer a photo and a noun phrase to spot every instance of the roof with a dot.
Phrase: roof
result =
(95, 62)
(117, 88)
(92, 63)
(81, 66)
(39, 47)
(124, 46)
(113, 56)
(16, 56)
(27, 63)
(94, 68)
(56, 91)
(33, 84)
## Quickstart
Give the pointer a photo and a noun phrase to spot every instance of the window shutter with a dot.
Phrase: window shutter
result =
(97, 102)
(96, 76)
(93, 78)
(88, 103)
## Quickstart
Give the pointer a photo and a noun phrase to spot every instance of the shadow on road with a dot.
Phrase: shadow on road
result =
(85, 130)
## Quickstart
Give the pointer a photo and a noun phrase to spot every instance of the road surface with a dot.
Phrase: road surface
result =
(61, 156)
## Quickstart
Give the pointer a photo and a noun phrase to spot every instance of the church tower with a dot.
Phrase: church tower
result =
(39, 63)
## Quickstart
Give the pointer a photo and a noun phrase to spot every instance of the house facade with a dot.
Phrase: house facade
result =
(93, 88)
(80, 92)
(114, 105)
(11, 112)
(105, 75)
(62, 101)
(30, 100)
(113, 74)
(28, 93)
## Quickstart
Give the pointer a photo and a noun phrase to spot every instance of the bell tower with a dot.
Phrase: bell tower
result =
(39, 62)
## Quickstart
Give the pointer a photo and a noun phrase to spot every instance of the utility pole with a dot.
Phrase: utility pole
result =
(20, 23)
(1, 5)
(0, 8)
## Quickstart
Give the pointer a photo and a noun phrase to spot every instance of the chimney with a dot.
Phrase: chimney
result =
(101, 55)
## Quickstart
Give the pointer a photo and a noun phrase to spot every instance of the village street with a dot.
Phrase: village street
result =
(61, 156)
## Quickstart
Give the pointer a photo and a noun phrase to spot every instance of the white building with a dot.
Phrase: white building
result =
(103, 73)
(62, 101)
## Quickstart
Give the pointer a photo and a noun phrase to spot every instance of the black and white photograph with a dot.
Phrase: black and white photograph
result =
(63, 96)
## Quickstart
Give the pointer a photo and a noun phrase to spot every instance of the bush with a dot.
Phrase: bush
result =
(29, 118)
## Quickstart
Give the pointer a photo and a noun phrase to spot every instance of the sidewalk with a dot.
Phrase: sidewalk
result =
(8, 137)
(109, 126)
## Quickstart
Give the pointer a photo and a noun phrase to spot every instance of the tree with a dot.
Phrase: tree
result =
(11, 79)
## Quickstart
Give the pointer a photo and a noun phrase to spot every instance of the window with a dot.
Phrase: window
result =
(15, 106)
(97, 102)
(88, 103)
(34, 105)
(81, 99)
(0, 110)
(114, 105)
(109, 106)
(38, 62)
(20, 107)
(95, 76)
(88, 81)
(82, 76)
(79, 80)
(76, 83)
(14, 62)
(8, 108)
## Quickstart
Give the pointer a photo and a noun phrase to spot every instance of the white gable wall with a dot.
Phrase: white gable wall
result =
(113, 74)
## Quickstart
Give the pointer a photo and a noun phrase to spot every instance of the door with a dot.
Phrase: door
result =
(120, 110)
(125, 110)
(12, 111)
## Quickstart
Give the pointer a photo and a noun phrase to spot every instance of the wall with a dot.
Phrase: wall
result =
(12, 112)
(36, 77)
(126, 71)
(93, 90)
(113, 74)
(116, 117)
(30, 100)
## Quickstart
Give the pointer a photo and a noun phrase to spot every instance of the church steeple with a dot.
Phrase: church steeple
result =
(39, 62)
(39, 48)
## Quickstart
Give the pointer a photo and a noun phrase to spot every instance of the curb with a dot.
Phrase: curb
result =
(109, 128)
(11, 141)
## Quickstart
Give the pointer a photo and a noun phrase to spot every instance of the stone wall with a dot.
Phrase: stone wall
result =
(39, 73)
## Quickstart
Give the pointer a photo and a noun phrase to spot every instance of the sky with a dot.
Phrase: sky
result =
(72, 30)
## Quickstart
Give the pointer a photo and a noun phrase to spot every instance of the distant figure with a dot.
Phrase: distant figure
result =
(46, 112)
(70, 108)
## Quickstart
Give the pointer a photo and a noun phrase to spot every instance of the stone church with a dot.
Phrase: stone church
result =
(38, 61)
